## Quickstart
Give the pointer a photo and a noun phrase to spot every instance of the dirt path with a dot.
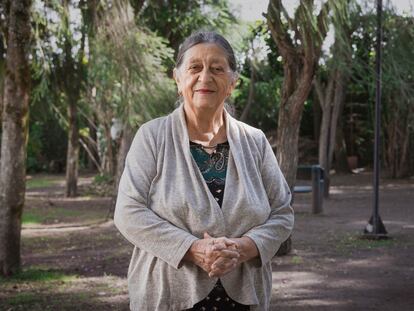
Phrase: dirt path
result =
(331, 268)
(70, 265)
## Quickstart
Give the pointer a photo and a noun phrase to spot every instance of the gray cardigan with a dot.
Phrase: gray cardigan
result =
(164, 205)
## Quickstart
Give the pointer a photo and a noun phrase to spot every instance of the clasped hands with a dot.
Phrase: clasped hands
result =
(219, 256)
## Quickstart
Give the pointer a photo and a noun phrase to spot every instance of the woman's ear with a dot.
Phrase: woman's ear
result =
(177, 79)
(234, 81)
(175, 75)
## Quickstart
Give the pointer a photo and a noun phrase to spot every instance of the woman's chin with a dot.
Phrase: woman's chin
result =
(206, 104)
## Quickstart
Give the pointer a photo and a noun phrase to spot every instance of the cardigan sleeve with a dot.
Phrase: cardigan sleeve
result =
(271, 234)
(137, 223)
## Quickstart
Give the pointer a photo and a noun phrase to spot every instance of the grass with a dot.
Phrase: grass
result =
(57, 214)
(37, 275)
(297, 260)
(30, 218)
(23, 298)
(355, 242)
(40, 182)
(40, 289)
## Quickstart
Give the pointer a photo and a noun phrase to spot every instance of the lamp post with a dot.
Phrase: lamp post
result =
(375, 228)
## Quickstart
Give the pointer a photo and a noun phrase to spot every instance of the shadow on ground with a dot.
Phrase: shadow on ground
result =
(78, 261)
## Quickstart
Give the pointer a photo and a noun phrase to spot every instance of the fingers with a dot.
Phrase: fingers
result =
(227, 253)
(224, 240)
(219, 256)
(222, 266)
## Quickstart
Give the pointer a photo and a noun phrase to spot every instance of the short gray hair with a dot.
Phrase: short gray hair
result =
(207, 37)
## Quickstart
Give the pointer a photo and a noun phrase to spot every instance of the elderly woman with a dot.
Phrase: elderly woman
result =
(202, 197)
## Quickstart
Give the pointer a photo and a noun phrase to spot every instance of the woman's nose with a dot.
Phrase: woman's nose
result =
(205, 75)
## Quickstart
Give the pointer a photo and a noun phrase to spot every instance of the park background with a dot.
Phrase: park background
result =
(78, 78)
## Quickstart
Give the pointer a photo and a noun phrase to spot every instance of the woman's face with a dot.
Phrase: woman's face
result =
(204, 77)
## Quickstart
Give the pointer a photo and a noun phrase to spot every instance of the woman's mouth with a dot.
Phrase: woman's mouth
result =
(204, 91)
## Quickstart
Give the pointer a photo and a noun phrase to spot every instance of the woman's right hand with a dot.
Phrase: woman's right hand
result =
(205, 252)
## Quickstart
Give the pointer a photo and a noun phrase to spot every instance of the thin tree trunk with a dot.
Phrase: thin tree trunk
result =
(92, 143)
(126, 141)
(341, 164)
(326, 102)
(250, 98)
(317, 117)
(72, 82)
(72, 158)
(14, 135)
(338, 107)
(331, 101)
(403, 163)
(109, 153)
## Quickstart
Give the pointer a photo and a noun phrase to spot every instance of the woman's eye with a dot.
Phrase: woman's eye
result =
(195, 68)
(218, 69)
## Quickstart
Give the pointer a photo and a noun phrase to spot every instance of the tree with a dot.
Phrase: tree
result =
(61, 50)
(256, 97)
(14, 133)
(331, 89)
(177, 19)
(127, 77)
(71, 71)
(299, 40)
(397, 110)
(398, 93)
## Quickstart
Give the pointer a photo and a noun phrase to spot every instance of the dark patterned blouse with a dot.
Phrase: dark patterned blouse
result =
(213, 167)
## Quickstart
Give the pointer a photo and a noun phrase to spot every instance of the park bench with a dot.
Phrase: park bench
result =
(315, 174)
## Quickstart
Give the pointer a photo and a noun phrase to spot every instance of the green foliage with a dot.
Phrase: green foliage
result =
(34, 148)
(35, 275)
(268, 78)
(177, 19)
(397, 90)
(127, 75)
(103, 179)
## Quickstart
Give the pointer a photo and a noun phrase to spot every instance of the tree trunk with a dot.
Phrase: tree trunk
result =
(14, 135)
(331, 101)
(92, 144)
(72, 158)
(341, 162)
(109, 153)
(250, 98)
(287, 145)
(299, 63)
(126, 141)
(72, 76)
(325, 98)
(296, 87)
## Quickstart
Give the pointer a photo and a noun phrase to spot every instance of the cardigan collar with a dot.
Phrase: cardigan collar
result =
(181, 126)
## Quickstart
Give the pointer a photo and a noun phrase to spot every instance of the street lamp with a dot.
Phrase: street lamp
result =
(375, 228)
